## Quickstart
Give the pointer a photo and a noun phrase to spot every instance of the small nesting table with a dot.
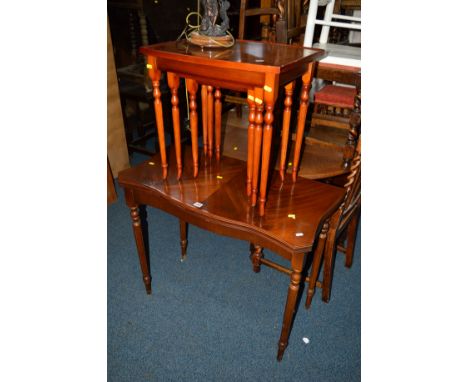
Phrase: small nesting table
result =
(257, 68)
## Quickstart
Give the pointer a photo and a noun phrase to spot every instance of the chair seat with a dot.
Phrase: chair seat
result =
(335, 95)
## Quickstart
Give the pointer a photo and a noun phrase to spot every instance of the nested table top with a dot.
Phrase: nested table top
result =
(258, 56)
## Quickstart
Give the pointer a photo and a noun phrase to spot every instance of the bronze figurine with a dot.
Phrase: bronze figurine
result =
(213, 9)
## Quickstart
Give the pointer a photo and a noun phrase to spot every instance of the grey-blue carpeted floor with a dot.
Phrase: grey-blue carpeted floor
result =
(211, 318)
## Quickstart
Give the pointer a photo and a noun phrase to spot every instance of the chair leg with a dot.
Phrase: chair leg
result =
(256, 254)
(329, 257)
(351, 239)
(138, 233)
(183, 239)
(315, 268)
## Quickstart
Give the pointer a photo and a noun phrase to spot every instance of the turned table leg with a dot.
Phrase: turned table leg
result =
(210, 120)
(250, 140)
(301, 119)
(218, 105)
(183, 239)
(155, 76)
(204, 100)
(257, 146)
(138, 233)
(315, 268)
(289, 88)
(297, 263)
(192, 88)
(173, 82)
(270, 98)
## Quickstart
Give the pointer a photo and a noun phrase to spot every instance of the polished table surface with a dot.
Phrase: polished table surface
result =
(295, 215)
(246, 55)
(224, 209)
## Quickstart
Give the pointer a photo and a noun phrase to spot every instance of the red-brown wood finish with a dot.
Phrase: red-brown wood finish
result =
(345, 220)
(269, 95)
(289, 90)
(247, 66)
(210, 115)
(155, 76)
(204, 99)
(257, 145)
(192, 87)
(217, 97)
(306, 79)
(226, 211)
(250, 139)
(173, 83)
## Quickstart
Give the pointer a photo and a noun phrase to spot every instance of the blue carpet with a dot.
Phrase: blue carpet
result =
(211, 318)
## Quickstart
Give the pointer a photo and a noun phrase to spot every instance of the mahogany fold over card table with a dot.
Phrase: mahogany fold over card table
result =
(212, 201)
(257, 68)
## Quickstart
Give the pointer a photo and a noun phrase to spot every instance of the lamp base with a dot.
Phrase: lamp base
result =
(211, 41)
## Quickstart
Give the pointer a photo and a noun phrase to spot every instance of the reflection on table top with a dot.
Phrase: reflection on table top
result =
(266, 57)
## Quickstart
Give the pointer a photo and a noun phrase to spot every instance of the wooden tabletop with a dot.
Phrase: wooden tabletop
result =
(292, 214)
(261, 56)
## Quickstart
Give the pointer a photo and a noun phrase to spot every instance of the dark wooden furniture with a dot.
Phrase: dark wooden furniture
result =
(282, 21)
(257, 68)
(293, 219)
(333, 106)
(343, 225)
(268, 14)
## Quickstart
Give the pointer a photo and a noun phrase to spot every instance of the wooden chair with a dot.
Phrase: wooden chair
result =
(268, 13)
(343, 224)
(333, 102)
(282, 21)
(333, 106)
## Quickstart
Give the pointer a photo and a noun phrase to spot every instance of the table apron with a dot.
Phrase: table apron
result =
(233, 79)
(212, 224)
(293, 73)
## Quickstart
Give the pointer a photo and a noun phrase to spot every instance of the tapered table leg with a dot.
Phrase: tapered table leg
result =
(138, 233)
(250, 140)
(315, 268)
(183, 239)
(289, 88)
(192, 88)
(297, 263)
(257, 143)
(269, 99)
(266, 149)
(210, 120)
(306, 79)
(155, 76)
(204, 99)
(173, 82)
(218, 105)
